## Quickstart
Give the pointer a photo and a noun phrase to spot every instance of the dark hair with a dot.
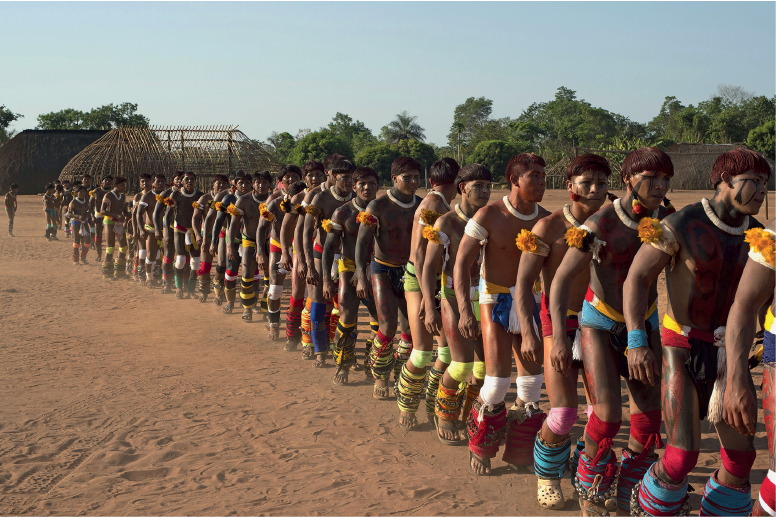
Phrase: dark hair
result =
(14, 185)
(329, 161)
(472, 172)
(263, 175)
(190, 173)
(50, 186)
(178, 174)
(57, 182)
(290, 168)
(108, 177)
(736, 162)
(119, 181)
(587, 162)
(404, 164)
(646, 159)
(80, 188)
(443, 171)
(59, 187)
(222, 177)
(160, 176)
(311, 165)
(66, 181)
(362, 173)
(145, 176)
(342, 167)
(243, 176)
(520, 163)
(86, 176)
(296, 188)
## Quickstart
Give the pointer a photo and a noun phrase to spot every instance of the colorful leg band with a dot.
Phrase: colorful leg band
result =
(335, 316)
(633, 468)
(460, 371)
(434, 376)
(723, 499)
(574, 461)
(677, 463)
(529, 388)
(443, 352)
(560, 420)
(345, 346)
(247, 294)
(382, 358)
(374, 326)
(408, 389)
(521, 435)
(645, 428)
(656, 497)
(297, 304)
(110, 249)
(419, 358)
(493, 391)
(274, 317)
(448, 403)
(293, 324)
(767, 497)
(317, 327)
(472, 392)
(479, 370)
(550, 459)
(738, 463)
(486, 427)
(403, 352)
(604, 465)
(307, 339)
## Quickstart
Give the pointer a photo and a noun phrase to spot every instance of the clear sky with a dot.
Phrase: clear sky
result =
(270, 66)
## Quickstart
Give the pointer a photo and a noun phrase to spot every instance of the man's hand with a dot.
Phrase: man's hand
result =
(467, 324)
(198, 238)
(159, 235)
(213, 249)
(231, 252)
(642, 365)
(312, 275)
(739, 408)
(560, 355)
(142, 233)
(532, 349)
(362, 286)
(329, 288)
(432, 319)
(261, 261)
(286, 262)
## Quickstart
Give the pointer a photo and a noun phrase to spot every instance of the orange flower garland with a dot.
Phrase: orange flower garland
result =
(431, 234)
(649, 230)
(762, 242)
(526, 241)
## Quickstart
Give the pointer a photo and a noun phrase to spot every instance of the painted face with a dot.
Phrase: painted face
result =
(243, 186)
(651, 187)
(407, 182)
(289, 179)
(158, 184)
(476, 193)
(314, 178)
(366, 189)
(86, 181)
(188, 182)
(532, 183)
(143, 183)
(261, 186)
(107, 183)
(750, 189)
(344, 182)
(591, 187)
(219, 185)
(176, 182)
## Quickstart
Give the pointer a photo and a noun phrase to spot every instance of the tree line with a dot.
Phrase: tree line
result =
(551, 129)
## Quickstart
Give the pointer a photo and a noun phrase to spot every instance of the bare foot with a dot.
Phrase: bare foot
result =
(383, 392)
(320, 361)
(479, 466)
(407, 420)
(341, 376)
(308, 352)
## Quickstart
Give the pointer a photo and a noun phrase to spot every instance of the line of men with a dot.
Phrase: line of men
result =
(496, 282)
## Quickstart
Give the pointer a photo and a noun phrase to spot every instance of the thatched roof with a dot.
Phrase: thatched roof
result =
(36, 157)
(693, 163)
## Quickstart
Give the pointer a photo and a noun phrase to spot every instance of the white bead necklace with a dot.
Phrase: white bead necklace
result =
(739, 230)
(403, 205)
(442, 197)
(517, 214)
(570, 217)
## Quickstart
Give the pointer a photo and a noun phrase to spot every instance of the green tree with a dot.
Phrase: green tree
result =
(763, 139)
(6, 118)
(317, 146)
(495, 155)
(422, 152)
(403, 128)
(379, 156)
(468, 119)
(282, 144)
(63, 119)
(104, 117)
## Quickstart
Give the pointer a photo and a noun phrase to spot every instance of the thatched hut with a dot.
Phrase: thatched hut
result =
(36, 157)
(693, 163)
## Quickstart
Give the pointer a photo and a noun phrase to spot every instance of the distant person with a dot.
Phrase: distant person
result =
(10, 206)
(95, 203)
(114, 213)
(50, 208)
(78, 215)
(67, 197)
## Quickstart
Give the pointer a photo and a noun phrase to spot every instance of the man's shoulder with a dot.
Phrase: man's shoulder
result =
(344, 212)
(551, 227)
(489, 213)
(434, 203)
(679, 220)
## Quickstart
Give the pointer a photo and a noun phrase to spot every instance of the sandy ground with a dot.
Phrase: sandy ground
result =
(117, 400)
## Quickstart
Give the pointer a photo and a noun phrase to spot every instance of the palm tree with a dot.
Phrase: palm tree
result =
(403, 128)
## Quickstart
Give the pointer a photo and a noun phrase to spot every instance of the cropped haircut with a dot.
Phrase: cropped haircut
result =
(342, 167)
(472, 172)
(108, 177)
(190, 173)
(65, 181)
(57, 182)
(145, 176)
(329, 161)
(443, 171)
(49, 186)
(310, 165)
(86, 176)
(80, 188)
(263, 175)
(588, 163)
(160, 176)
(364, 172)
(520, 163)
(736, 162)
(178, 174)
(243, 176)
(222, 177)
(119, 181)
(404, 164)
(14, 185)
(646, 159)
(296, 188)
(60, 188)
(290, 168)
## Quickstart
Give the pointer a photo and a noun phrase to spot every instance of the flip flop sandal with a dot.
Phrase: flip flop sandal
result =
(446, 441)
(320, 363)
(227, 309)
(217, 300)
(247, 317)
(485, 462)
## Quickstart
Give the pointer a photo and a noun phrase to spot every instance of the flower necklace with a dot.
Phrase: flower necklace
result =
(461, 214)
(340, 198)
(403, 205)
(442, 197)
(626, 220)
(739, 230)
(518, 214)
(570, 217)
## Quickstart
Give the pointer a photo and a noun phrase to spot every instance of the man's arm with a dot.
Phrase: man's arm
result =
(739, 406)
(432, 265)
(366, 235)
(468, 253)
(528, 272)
(157, 218)
(287, 229)
(330, 247)
(308, 238)
(262, 235)
(196, 221)
(301, 259)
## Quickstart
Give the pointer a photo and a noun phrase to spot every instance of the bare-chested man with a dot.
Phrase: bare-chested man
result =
(11, 204)
(141, 245)
(319, 210)
(95, 202)
(417, 347)
(229, 247)
(587, 179)
(606, 245)
(261, 183)
(466, 356)
(272, 217)
(50, 204)
(186, 247)
(114, 212)
(292, 251)
(493, 230)
(704, 250)
(164, 230)
(146, 208)
(59, 194)
(202, 223)
(387, 223)
(78, 213)
(342, 235)
(245, 218)
(67, 197)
